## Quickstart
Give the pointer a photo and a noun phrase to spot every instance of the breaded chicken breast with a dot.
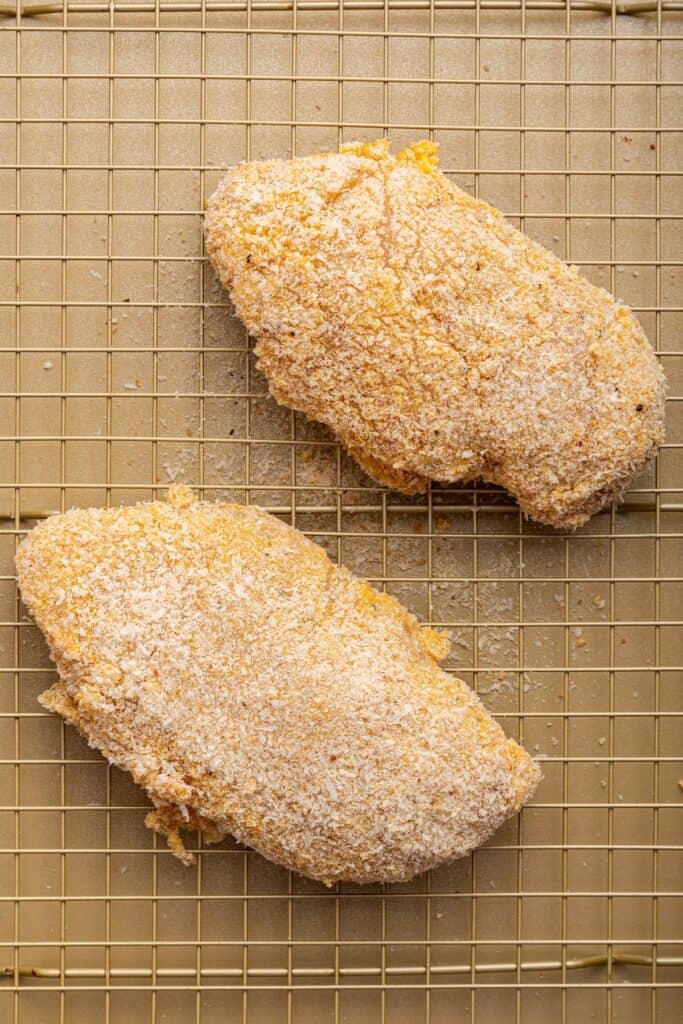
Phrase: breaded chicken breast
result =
(254, 688)
(435, 340)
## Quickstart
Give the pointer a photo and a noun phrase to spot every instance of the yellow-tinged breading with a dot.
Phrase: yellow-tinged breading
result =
(254, 688)
(436, 340)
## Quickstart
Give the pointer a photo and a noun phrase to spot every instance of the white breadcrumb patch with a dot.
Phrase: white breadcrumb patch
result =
(253, 688)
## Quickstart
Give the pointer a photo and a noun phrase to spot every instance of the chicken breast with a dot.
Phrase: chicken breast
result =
(254, 688)
(435, 340)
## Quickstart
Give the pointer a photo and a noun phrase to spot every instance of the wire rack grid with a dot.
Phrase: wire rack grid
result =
(122, 369)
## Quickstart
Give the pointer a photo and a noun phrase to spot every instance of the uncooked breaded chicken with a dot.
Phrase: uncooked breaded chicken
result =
(254, 688)
(437, 342)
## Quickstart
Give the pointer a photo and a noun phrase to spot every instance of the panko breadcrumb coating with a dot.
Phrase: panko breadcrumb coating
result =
(437, 342)
(254, 688)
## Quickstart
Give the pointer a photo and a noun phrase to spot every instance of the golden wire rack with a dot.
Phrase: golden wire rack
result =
(122, 370)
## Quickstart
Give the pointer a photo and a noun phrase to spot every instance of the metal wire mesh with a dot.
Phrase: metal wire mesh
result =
(122, 369)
